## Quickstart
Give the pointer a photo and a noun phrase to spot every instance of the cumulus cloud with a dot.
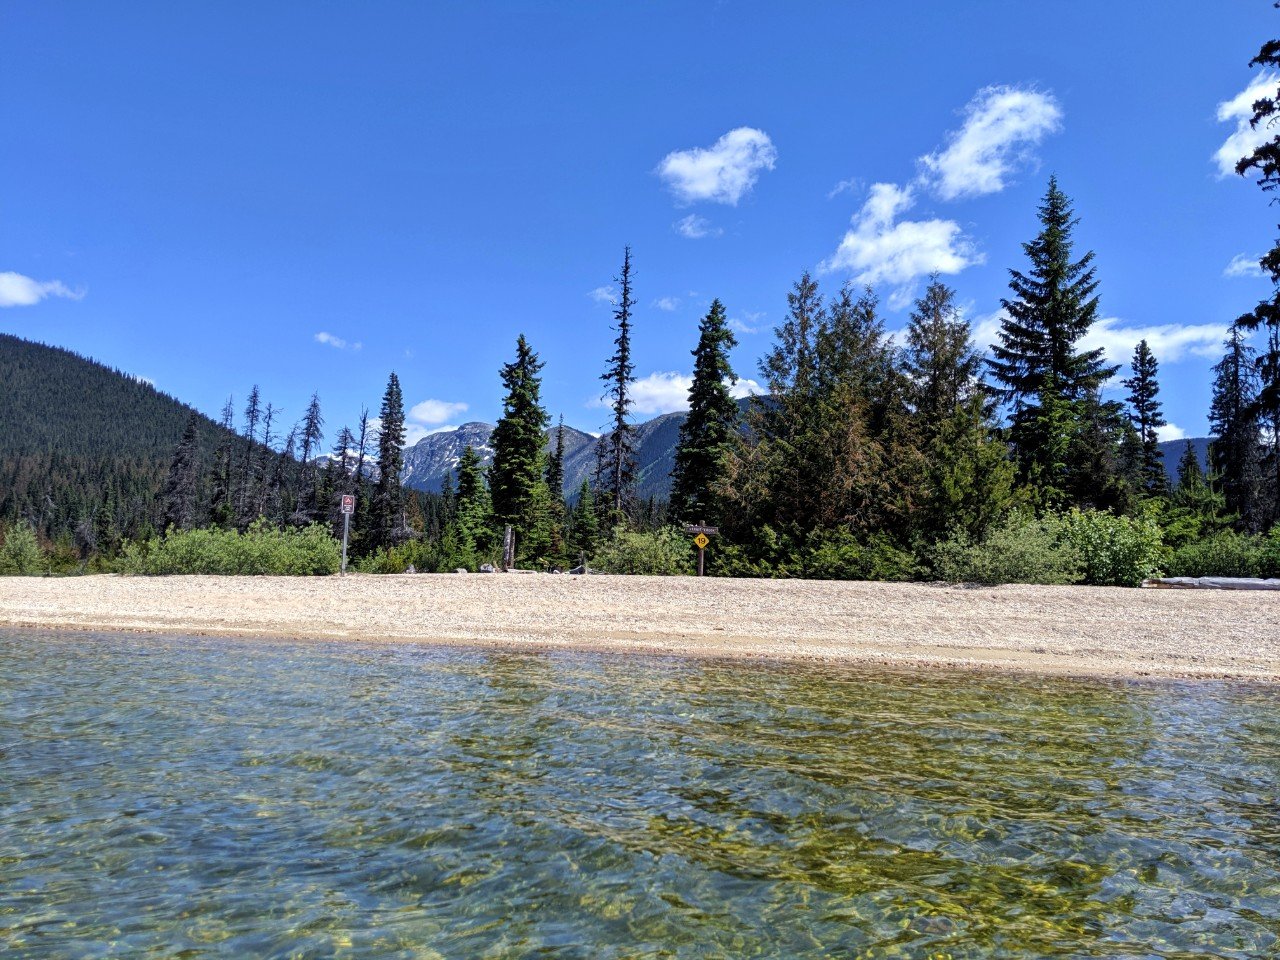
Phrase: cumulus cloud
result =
(881, 248)
(605, 295)
(1001, 126)
(1170, 342)
(1170, 431)
(667, 304)
(722, 173)
(668, 391)
(329, 340)
(1243, 265)
(1239, 110)
(434, 412)
(19, 291)
(695, 227)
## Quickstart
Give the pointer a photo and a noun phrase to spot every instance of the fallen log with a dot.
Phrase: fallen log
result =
(1211, 583)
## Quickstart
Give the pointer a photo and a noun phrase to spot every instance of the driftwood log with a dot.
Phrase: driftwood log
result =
(1211, 583)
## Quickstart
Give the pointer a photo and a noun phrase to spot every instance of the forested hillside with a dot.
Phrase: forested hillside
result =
(81, 442)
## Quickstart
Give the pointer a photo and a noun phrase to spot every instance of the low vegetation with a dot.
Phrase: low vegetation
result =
(262, 549)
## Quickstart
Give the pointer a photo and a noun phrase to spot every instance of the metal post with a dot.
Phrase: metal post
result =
(346, 527)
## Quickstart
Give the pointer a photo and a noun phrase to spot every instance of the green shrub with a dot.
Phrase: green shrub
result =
(666, 552)
(1019, 550)
(1114, 551)
(262, 549)
(839, 555)
(1226, 554)
(20, 553)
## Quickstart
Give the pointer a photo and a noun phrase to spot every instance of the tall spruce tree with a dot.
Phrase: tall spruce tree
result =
(310, 435)
(1045, 379)
(388, 527)
(1147, 418)
(1233, 420)
(180, 495)
(620, 375)
(518, 441)
(555, 467)
(474, 510)
(942, 366)
(1264, 162)
(222, 510)
(247, 492)
(710, 425)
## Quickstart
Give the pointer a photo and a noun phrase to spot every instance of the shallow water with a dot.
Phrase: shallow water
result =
(201, 798)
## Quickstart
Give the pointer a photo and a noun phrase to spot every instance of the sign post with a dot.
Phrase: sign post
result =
(702, 534)
(348, 508)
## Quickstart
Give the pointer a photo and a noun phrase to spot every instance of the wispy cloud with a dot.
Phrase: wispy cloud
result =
(880, 248)
(1243, 265)
(1001, 127)
(852, 185)
(667, 304)
(1239, 110)
(604, 295)
(19, 291)
(695, 227)
(747, 324)
(725, 172)
(329, 340)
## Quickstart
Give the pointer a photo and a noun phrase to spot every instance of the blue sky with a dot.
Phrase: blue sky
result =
(310, 195)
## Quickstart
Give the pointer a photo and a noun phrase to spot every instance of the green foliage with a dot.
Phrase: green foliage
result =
(262, 549)
(667, 552)
(20, 554)
(1227, 554)
(1114, 551)
(1019, 550)
(839, 555)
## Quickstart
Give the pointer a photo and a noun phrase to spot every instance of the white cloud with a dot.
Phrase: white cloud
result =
(1239, 110)
(19, 291)
(1170, 431)
(1001, 126)
(695, 227)
(1243, 265)
(328, 339)
(668, 391)
(722, 173)
(1170, 342)
(852, 185)
(882, 249)
(748, 324)
(607, 295)
(668, 304)
(434, 412)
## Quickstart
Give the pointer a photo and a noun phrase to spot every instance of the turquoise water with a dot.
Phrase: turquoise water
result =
(200, 798)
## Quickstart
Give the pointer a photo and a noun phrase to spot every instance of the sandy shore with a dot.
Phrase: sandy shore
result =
(1057, 630)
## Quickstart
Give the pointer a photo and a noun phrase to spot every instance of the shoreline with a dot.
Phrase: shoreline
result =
(1084, 632)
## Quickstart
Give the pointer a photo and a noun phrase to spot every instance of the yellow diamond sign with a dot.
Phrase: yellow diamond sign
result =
(701, 540)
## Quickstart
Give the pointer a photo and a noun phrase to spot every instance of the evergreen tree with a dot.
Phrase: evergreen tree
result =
(310, 436)
(518, 441)
(1233, 420)
(620, 375)
(222, 496)
(247, 493)
(710, 425)
(1042, 376)
(1147, 418)
(388, 498)
(1190, 473)
(555, 467)
(474, 518)
(940, 361)
(179, 495)
(585, 529)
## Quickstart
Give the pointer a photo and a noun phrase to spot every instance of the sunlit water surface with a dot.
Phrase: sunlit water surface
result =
(200, 798)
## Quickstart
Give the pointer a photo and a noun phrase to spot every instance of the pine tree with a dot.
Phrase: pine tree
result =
(310, 436)
(940, 361)
(1233, 420)
(1042, 376)
(518, 441)
(710, 425)
(474, 518)
(1190, 473)
(585, 532)
(388, 498)
(179, 495)
(1147, 418)
(222, 496)
(247, 494)
(555, 467)
(620, 376)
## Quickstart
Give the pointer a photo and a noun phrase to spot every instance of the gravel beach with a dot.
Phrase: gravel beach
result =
(1047, 630)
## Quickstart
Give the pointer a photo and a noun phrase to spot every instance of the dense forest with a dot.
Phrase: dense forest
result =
(924, 455)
